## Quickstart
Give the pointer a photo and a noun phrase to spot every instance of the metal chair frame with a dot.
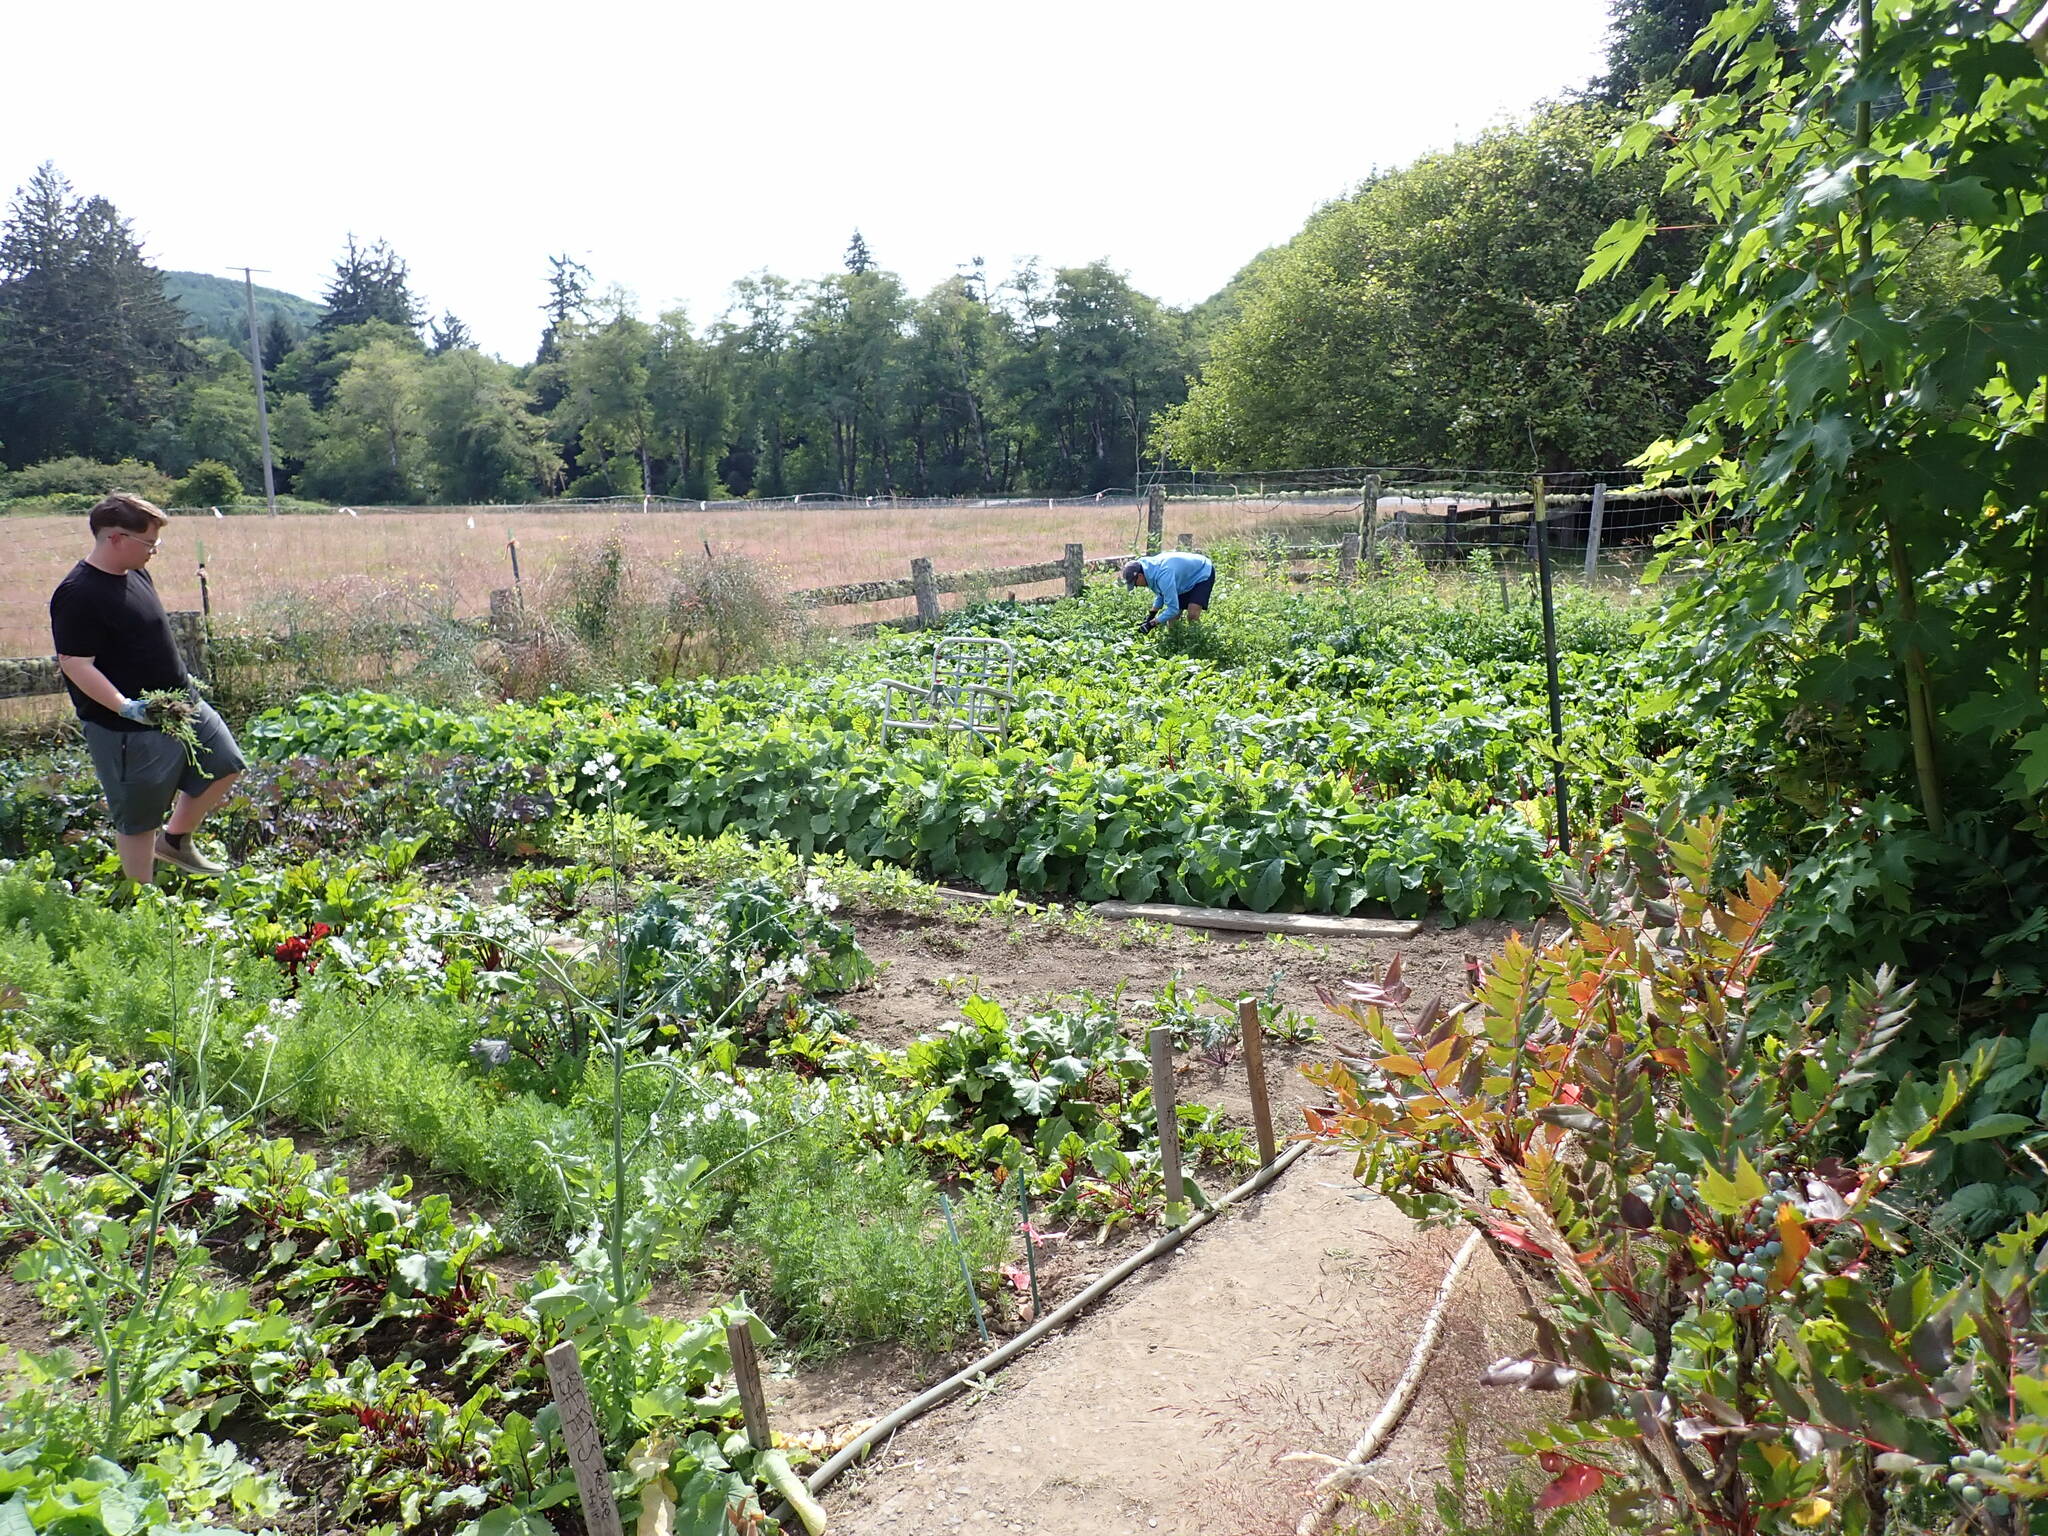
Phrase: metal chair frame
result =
(973, 684)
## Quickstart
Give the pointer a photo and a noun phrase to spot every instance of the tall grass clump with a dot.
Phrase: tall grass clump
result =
(603, 616)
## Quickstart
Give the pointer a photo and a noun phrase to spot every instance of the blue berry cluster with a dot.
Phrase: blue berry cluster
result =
(1963, 1481)
(1665, 1182)
(1741, 1284)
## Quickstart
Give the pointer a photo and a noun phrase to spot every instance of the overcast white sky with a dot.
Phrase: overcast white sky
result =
(675, 147)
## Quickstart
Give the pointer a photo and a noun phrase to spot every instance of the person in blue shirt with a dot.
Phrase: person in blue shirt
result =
(1181, 582)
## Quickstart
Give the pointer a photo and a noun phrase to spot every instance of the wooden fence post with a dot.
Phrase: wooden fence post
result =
(1184, 541)
(926, 591)
(1369, 516)
(1161, 1041)
(746, 1375)
(188, 629)
(1076, 568)
(1347, 559)
(1254, 1036)
(1155, 519)
(1593, 529)
(506, 614)
(582, 1439)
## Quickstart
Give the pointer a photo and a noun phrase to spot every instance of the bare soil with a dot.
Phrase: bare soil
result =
(24, 1326)
(931, 965)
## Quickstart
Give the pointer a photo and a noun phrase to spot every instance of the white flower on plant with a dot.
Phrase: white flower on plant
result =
(285, 1007)
(607, 758)
(260, 1037)
(155, 1076)
(221, 987)
(590, 767)
(817, 898)
(12, 1062)
(6, 1151)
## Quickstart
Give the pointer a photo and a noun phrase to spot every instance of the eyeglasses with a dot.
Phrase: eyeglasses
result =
(149, 544)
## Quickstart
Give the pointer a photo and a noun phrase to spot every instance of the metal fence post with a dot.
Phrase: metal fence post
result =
(1369, 515)
(1542, 523)
(1593, 529)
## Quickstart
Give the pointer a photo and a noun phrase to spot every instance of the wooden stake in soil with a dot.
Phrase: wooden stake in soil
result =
(583, 1441)
(1161, 1040)
(1255, 1068)
(1030, 1248)
(746, 1375)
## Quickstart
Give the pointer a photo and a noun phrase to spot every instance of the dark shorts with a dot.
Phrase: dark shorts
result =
(142, 771)
(1200, 593)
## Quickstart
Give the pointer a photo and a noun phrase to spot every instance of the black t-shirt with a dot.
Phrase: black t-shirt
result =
(120, 622)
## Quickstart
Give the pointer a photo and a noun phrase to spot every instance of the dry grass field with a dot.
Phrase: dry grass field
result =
(260, 567)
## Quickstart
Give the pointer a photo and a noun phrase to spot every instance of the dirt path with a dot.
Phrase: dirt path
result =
(1279, 1328)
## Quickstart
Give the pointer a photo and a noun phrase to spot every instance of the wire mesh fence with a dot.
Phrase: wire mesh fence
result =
(1597, 519)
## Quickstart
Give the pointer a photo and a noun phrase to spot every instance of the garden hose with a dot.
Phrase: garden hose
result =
(922, 1404)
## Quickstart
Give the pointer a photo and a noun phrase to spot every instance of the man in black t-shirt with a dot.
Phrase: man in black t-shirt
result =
(114, 644)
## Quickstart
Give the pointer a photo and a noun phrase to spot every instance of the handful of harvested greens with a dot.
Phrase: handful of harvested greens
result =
(171, 710)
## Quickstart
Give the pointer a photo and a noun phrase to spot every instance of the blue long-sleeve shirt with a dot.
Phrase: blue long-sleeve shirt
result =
(1171, 575)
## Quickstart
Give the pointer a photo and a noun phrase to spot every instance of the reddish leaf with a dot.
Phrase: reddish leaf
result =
(1517, 1239)
(1576, 1482)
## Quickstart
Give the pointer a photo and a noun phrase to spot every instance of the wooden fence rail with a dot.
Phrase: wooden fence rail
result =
(35, 676)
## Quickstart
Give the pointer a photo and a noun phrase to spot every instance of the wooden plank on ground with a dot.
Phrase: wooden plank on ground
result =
(1300, 924)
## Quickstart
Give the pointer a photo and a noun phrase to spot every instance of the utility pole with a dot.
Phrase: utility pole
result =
(256, 367)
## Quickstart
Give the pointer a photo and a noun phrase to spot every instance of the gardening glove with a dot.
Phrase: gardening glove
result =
(136, 710)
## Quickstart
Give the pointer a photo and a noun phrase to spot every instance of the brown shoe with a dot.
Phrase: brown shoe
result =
(186, 856)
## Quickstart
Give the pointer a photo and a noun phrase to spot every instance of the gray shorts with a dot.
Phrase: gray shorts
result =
(142, 771)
